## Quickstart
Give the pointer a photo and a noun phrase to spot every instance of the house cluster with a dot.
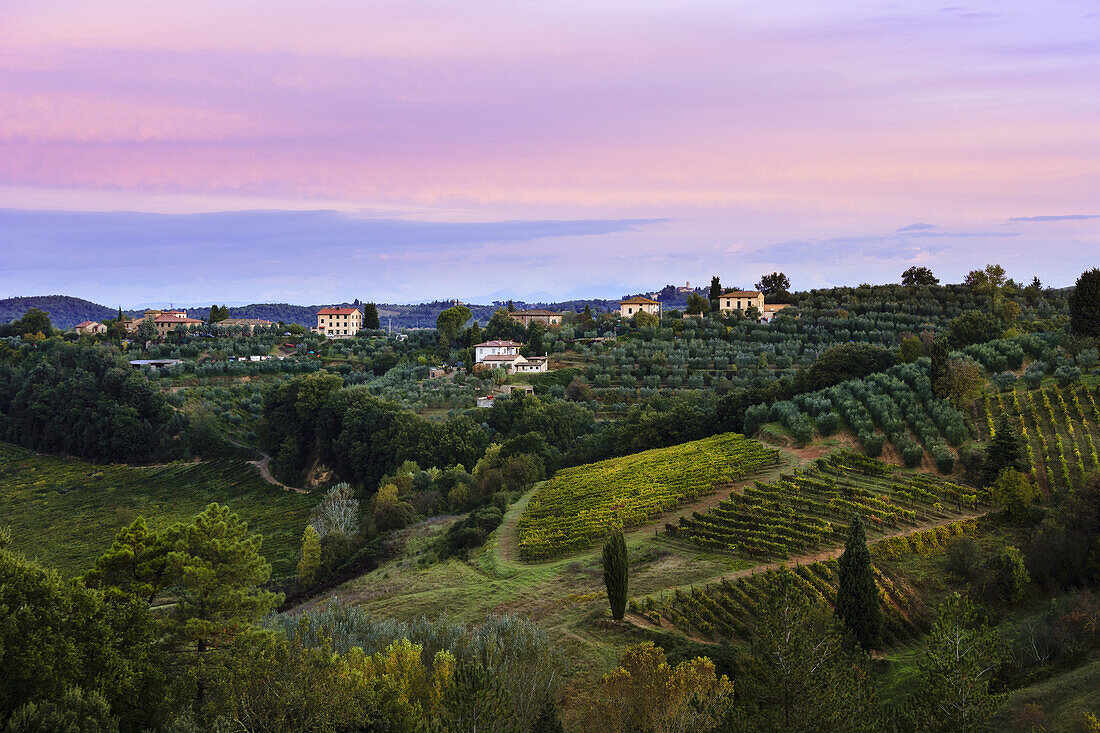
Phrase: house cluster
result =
(165, 322)
(729, 301)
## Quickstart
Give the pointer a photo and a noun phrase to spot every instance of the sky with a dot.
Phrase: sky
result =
(313, 151)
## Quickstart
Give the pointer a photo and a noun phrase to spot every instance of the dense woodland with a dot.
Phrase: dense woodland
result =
(933, 447)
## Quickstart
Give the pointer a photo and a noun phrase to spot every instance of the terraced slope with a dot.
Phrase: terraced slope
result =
(582, 505)
(810, 508)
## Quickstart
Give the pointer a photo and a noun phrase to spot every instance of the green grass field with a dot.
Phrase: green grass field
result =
(65, 512)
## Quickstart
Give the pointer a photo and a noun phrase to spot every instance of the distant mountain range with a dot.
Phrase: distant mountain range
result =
(66, 311)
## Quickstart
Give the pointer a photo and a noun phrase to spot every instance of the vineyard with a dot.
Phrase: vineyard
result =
(66, 512)
(1060, 427)
(811, 508)
(729, 609)
(582, 505)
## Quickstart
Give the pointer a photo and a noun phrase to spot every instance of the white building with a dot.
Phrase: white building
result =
(495, 348)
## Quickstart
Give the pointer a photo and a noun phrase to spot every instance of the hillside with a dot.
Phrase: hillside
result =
(65, 311)
(66, 512)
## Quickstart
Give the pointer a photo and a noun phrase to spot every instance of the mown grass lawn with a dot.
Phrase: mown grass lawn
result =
(65, 512)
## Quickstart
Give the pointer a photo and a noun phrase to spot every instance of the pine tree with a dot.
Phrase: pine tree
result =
(959, 662)
(370, 317)
(857, 599)
(616, 573)
(310, 561)
(1005, 451)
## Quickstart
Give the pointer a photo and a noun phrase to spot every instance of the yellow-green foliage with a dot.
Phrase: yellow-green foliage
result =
(925, 542)
(582, 505)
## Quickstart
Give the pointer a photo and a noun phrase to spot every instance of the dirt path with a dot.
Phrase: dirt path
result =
(265, 471)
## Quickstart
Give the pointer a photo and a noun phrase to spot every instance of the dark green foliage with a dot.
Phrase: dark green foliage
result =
(940, 361)
(56, 635)
(34, 321)
(797, 676)
(1006, 450)
(775, 285)
(217, 314)
(857, 598)
(470, 532)
(370, 317)
(910, 350)
(974, 327)
(73, 712)
(87, 402)
(616, 573)
(847, 361)
(451, 321)
(960, 658)
(64, 311)
(1084, 305)
(476, 700)
(361, 436)
(1066, 547)
(548, 720)
(1006, 577)
(915, 276)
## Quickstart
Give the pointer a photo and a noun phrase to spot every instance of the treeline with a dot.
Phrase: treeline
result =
(87, 402)
(363, 438)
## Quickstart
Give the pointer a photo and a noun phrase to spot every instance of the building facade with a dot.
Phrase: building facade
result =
(546, 318)
(90, 328)
(169, 321)
(741, 300)
(338, 323)
(495, 348)
(633, 306)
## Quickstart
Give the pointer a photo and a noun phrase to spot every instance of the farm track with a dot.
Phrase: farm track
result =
(264, 467)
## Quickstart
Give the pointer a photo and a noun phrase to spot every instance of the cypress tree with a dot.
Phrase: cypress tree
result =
(1084, 305)
(857, 600)
(616, 573)
(370, 317)
(1005, 451)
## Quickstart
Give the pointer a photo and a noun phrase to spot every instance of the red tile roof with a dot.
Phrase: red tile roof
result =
(638, 300)
(535, 312)
(337, 311)
(85, 324)
(175, 319)
(501, 357)
(741, 294)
